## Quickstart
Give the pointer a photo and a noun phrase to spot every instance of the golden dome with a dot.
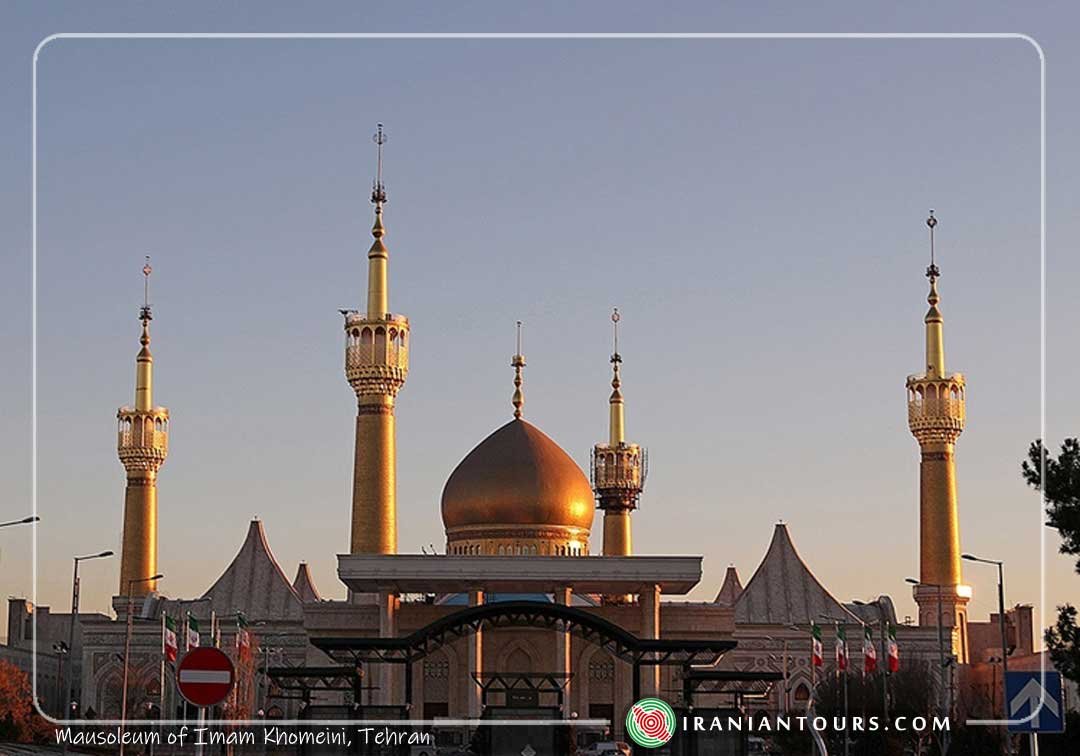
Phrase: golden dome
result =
(518, 490)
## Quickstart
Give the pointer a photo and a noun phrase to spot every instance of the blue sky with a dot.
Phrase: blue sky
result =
(754, 207)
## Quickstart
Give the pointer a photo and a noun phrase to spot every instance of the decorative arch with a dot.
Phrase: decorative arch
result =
(513, 651)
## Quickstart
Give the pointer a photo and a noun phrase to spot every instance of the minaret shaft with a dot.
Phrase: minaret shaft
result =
(138, 556)
(618, 540)
(374, 518)
(939, 521)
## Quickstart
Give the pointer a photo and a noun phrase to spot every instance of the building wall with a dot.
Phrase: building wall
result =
(23, 619)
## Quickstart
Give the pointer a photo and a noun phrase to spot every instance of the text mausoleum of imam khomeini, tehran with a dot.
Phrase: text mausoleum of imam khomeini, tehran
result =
(527, 612)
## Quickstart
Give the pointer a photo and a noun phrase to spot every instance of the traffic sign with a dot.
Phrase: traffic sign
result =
(205, 676)
(1024, 691)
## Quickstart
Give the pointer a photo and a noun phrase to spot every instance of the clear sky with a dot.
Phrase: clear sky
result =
(755, 209)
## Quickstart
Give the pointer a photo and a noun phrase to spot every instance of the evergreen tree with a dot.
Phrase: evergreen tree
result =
(1059, 481)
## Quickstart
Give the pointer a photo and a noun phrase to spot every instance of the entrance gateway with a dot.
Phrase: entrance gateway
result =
(512, 695)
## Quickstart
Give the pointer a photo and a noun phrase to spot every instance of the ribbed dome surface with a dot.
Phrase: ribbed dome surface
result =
(517, 476)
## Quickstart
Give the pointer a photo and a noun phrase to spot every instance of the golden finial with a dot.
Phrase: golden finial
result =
(932, 272)
(616, 421)
(616, 358)
(518, 362)
(378, 191)
(935, 349)
(144, 312)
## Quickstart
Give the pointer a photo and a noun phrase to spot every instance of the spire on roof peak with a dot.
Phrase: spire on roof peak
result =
(731, 589)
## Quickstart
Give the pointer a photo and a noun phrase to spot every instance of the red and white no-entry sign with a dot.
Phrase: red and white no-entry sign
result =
(205, 676)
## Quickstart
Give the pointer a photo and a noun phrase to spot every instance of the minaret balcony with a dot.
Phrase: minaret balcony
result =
(376, 347)
(142, 437)
(619, 468)
(936, 405)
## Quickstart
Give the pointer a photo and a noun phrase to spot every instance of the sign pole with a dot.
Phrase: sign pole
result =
(199, 739)
(1033, 742)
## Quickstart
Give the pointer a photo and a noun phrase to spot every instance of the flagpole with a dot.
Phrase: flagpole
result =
(884, 667)
(161, 701)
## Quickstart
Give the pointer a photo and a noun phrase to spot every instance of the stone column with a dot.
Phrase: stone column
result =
(650, 628)
(388, 604)
(475, 662)
(563, 595)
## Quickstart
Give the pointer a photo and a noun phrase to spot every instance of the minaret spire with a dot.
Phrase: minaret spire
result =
(142, 445)
(618, 467)
(935, 342)
(518, 362)
(144, 362)
(936, 416)
(376, 365)
(378, 303)
(617, 430)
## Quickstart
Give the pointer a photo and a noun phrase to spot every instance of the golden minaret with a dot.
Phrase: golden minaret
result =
(143, 444)
(376, 364)
(618, 467)
(936, 419)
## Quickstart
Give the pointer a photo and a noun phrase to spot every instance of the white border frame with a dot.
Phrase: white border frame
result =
(518, 35)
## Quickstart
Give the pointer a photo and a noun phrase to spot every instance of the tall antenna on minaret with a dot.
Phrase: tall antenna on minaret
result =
(932, 272)
(378, 191)
(144, 313)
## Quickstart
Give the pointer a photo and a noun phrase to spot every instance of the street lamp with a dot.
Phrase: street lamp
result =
(69, 694)
(1001, 621)
(23, 521)
(127, 651)
(1001, 608)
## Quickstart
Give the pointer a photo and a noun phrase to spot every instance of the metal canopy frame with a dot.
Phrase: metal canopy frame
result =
(544, 682)
(536, 614)
(307, 679)
(740, 683)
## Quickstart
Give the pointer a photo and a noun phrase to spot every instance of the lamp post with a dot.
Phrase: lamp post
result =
(785, 693)
(1001, 622)
(23, 521)
(884, 653)
(69, 694)
(127, 652)
(61, 650)
(946, 692)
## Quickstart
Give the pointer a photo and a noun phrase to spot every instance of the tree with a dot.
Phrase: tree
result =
(19, 721)
(1059, 481)
(1061, 489)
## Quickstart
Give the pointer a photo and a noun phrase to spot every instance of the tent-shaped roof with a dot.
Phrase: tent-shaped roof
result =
(254, 583)
(731, 589)
(784, 591)
(304, 585)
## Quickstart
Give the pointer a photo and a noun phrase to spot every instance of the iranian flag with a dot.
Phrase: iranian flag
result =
(869, 653)
(816, 652)
(841, 649)
(192, 633)
(168, 639)
(894, 650)
(243, 637)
